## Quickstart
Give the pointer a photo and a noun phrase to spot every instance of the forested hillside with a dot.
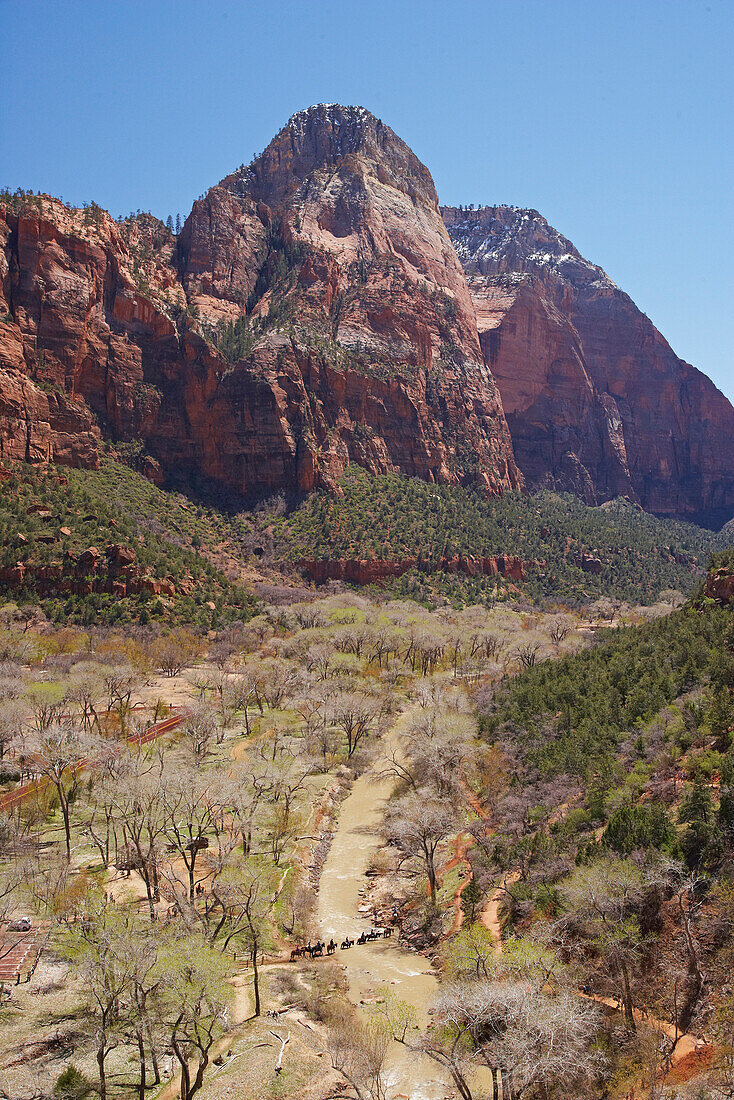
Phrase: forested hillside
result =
(108, 546)
(68, 536)
(612, 830)
(569, 551)
(570, 715)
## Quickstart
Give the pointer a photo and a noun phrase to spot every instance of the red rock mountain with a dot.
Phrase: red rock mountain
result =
(312, 312)
(596, 400)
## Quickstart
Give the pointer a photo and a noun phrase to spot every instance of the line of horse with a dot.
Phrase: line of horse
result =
(317, 950)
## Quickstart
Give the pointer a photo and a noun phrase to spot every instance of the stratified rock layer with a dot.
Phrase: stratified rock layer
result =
(596, 400)
(375, 570)
(311, 313)
(114, 573)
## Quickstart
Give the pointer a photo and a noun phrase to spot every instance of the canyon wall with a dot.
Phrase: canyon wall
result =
(596, 400)
(316, 309)
(311, 313)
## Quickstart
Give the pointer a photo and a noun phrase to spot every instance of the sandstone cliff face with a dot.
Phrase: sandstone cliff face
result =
(596, 400)
(312, 312)
(38, 423)
(375, 570)
(719, 585)
(360, 313)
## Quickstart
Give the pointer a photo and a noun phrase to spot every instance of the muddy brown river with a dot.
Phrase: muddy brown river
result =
(382, 962)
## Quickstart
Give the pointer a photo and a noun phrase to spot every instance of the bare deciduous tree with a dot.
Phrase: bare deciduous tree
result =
(416, 824)
(190, 815)
(602, 899)
(56, 753)
(197, 997)
(199, 728)
(358, 1051)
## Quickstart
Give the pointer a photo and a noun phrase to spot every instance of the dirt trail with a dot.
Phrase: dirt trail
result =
(685, 1044)
(490, 917)
(240, 750)
(462, 844)
(240, 1012)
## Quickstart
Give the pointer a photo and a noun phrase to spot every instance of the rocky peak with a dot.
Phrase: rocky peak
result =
(501, 240)
(595, 398)
(311, 313)
(329, 135)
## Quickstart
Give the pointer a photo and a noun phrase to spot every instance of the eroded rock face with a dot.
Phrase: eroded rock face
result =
(355, 335)
(313, 312)
(596, 400)
(117, 575)
(40, 425)
(375, 570)
(373, 316)
(719, 585)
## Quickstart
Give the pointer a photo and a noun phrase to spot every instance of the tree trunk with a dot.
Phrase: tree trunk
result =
(628, 1007)
(431, 878)
(460, 1082)
(185, 1076)
(141, 1062)
(182, 1060)
(153, 1054)
(151, 899)
(696, 978)
(199, 1079)
(256, 980)
(101, 1055)
(67, 823)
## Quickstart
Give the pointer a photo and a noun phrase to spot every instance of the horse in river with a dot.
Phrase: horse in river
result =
(316, 950)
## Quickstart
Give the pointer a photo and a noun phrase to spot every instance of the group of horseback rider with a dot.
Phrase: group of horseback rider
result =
(316, 950)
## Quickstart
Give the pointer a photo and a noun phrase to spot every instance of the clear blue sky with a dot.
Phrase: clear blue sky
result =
(611, 117)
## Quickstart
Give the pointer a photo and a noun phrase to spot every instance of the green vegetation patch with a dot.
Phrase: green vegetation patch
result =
(48, 518)
(391, 516)
(569, 716)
